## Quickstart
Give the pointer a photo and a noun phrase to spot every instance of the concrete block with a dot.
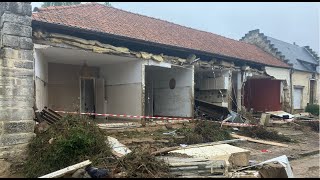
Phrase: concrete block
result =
(11, 114)
(234, 155)
(17, 138)
(17, 102)
(11, 81)
(6, 81)
(6, 63)
(18, 19)
(25, 43)
(16, 29)
(264, 120)
(26, 55)
(7, 152)
(10, 41)
(4, 168)
(15, 72)
(16, 54)
(1, 127)
(20, 8)
(24, 81)
(16, 91)
(10, 127)
(23, 64)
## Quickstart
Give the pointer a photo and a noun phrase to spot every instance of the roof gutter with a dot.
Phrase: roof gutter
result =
(123, 38)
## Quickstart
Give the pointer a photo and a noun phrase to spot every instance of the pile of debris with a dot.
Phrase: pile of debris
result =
(208, 149)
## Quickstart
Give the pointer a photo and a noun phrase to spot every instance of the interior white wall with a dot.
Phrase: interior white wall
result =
(123, 85)
(176, 102)
(64, 86)
(41, 80)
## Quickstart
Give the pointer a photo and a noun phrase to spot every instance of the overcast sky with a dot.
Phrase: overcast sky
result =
(291, 22)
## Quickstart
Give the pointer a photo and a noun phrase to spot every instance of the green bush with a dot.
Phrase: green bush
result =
(141, 164)
(211, 131)
(74, 139)
(313, 109)
(204, 131)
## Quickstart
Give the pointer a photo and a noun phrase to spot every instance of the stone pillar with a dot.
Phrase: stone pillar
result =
(16, 81)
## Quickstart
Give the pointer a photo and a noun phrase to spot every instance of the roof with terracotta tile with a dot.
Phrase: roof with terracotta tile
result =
(105, 19)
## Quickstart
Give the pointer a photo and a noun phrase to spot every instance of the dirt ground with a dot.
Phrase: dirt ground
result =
(307, 167)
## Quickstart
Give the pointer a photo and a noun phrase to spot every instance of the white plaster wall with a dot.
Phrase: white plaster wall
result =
(123, 87)
(41, 80)
(173, 102)
(279, 73)
(122, 73)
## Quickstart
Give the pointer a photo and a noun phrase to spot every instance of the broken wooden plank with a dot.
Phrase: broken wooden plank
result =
(259, 141)
(66, 170)
(53, 117)
(55, 113)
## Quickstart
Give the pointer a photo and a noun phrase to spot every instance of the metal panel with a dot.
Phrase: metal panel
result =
(262, 94)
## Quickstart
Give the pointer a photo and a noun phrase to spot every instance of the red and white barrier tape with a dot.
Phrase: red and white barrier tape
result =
(124, 115)
(152, 117)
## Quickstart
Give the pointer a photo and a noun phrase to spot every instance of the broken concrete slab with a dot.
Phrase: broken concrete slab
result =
(234, 155)
(273, 170)
(195, 166)
(117, 148)
(264, 120)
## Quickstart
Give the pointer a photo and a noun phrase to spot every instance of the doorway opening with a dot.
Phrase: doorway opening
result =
(87, 95)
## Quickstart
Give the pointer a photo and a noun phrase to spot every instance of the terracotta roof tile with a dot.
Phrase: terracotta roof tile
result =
(97, 17)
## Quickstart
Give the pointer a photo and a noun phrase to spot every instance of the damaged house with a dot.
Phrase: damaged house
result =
(93, 58)
(304, 72)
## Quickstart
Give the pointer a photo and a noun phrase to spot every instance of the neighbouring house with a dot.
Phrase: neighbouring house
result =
(304, 73)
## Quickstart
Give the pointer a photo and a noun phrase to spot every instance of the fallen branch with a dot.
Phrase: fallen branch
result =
(66, 170)
(164, 150)
(259, 141)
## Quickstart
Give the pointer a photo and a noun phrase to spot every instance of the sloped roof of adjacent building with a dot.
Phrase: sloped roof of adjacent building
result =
(295, 54)
(100, 18)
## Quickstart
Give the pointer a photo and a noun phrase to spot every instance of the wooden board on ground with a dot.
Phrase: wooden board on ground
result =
(259, 141)
(66, 170)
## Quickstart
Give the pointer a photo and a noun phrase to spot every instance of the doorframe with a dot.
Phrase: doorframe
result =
(301, 99)
(94, 88)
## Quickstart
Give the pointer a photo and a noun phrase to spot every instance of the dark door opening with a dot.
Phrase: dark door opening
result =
(87, 95)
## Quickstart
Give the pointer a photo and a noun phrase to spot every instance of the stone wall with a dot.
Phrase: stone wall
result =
(16, 81)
